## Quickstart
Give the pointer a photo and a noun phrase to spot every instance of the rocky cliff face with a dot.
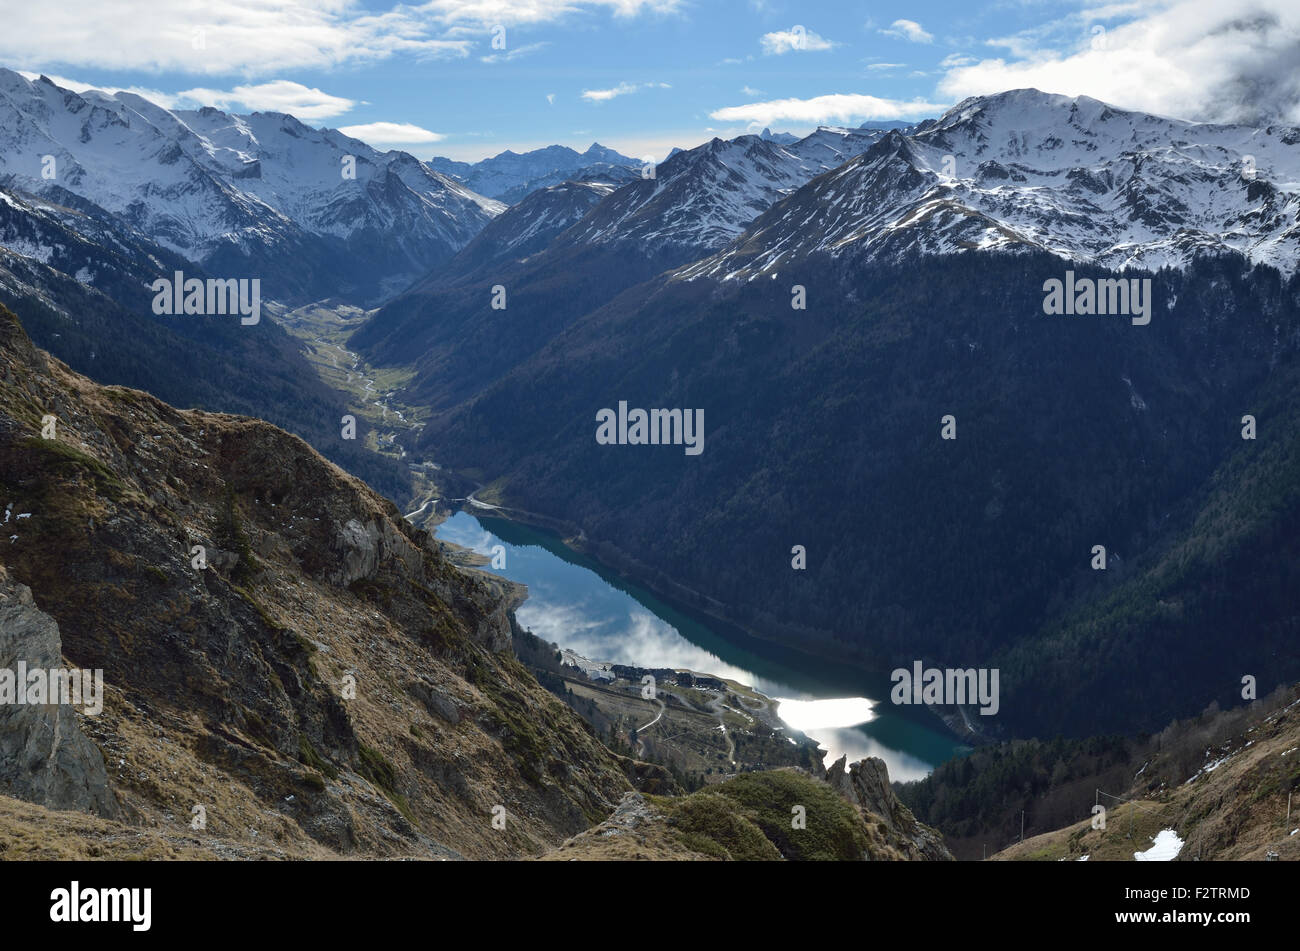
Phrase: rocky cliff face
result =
(44, 755)
(289, 665)
(866, 785)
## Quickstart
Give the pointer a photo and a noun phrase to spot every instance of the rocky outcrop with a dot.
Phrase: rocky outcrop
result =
(494, 631)
(436, 701)
(361, 549)
(866, 784)
(44, 756)
(263, 677)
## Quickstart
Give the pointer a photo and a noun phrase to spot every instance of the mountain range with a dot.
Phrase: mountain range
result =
(511, 176)
(1070, 176)
(101, 195)
(828, 317)
(860, 316)
(312, 213)
(827, 300)
(697, 202)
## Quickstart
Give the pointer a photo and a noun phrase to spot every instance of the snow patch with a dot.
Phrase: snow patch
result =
(1166, 848)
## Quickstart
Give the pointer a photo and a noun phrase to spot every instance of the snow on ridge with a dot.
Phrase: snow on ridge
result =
(708, 195)
(195, 180)
(1074, 177)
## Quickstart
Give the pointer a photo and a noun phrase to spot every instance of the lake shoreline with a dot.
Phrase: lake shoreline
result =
(691, 602)
(909, 737)
(682, 597)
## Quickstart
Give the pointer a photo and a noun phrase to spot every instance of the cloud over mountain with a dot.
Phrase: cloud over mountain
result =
(1194, 59)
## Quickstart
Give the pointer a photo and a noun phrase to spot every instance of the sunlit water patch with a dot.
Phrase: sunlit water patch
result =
(575, 603)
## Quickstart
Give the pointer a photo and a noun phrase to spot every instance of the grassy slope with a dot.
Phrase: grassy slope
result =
(1235, 811)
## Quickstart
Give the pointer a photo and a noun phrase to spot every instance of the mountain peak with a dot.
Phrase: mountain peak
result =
(599, 153)
(265, 183)
(1028, 170)
(1030, 100)
(510, 176)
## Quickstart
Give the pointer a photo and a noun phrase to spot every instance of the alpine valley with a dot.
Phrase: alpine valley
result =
(907, 459)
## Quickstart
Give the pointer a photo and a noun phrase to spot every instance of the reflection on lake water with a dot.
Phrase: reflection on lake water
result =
(575, 603)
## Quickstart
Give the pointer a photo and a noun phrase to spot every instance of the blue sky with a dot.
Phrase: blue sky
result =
(645, 75)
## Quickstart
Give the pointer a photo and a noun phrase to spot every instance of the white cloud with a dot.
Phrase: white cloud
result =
(281, 95)
(622, 89)
(795, 39)
(908, 30)
(1028, 43)
(841, 108)
(550, 98)
(513, 53)
(956, 59)
(1212, 60)
(391, 133)
(485, 13)
(258, 37)
(750, 91)
(885, 65)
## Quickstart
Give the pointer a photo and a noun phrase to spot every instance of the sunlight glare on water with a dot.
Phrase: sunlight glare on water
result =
(825, 714)
(578, 609)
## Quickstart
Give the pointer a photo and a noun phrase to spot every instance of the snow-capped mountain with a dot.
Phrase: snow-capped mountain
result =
(602, 173)
(512, 176)
(829, 147)
(531, 225)
(705, 197)
(1025, 169)
(312, 212)
(697, 202)
(70, 236)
